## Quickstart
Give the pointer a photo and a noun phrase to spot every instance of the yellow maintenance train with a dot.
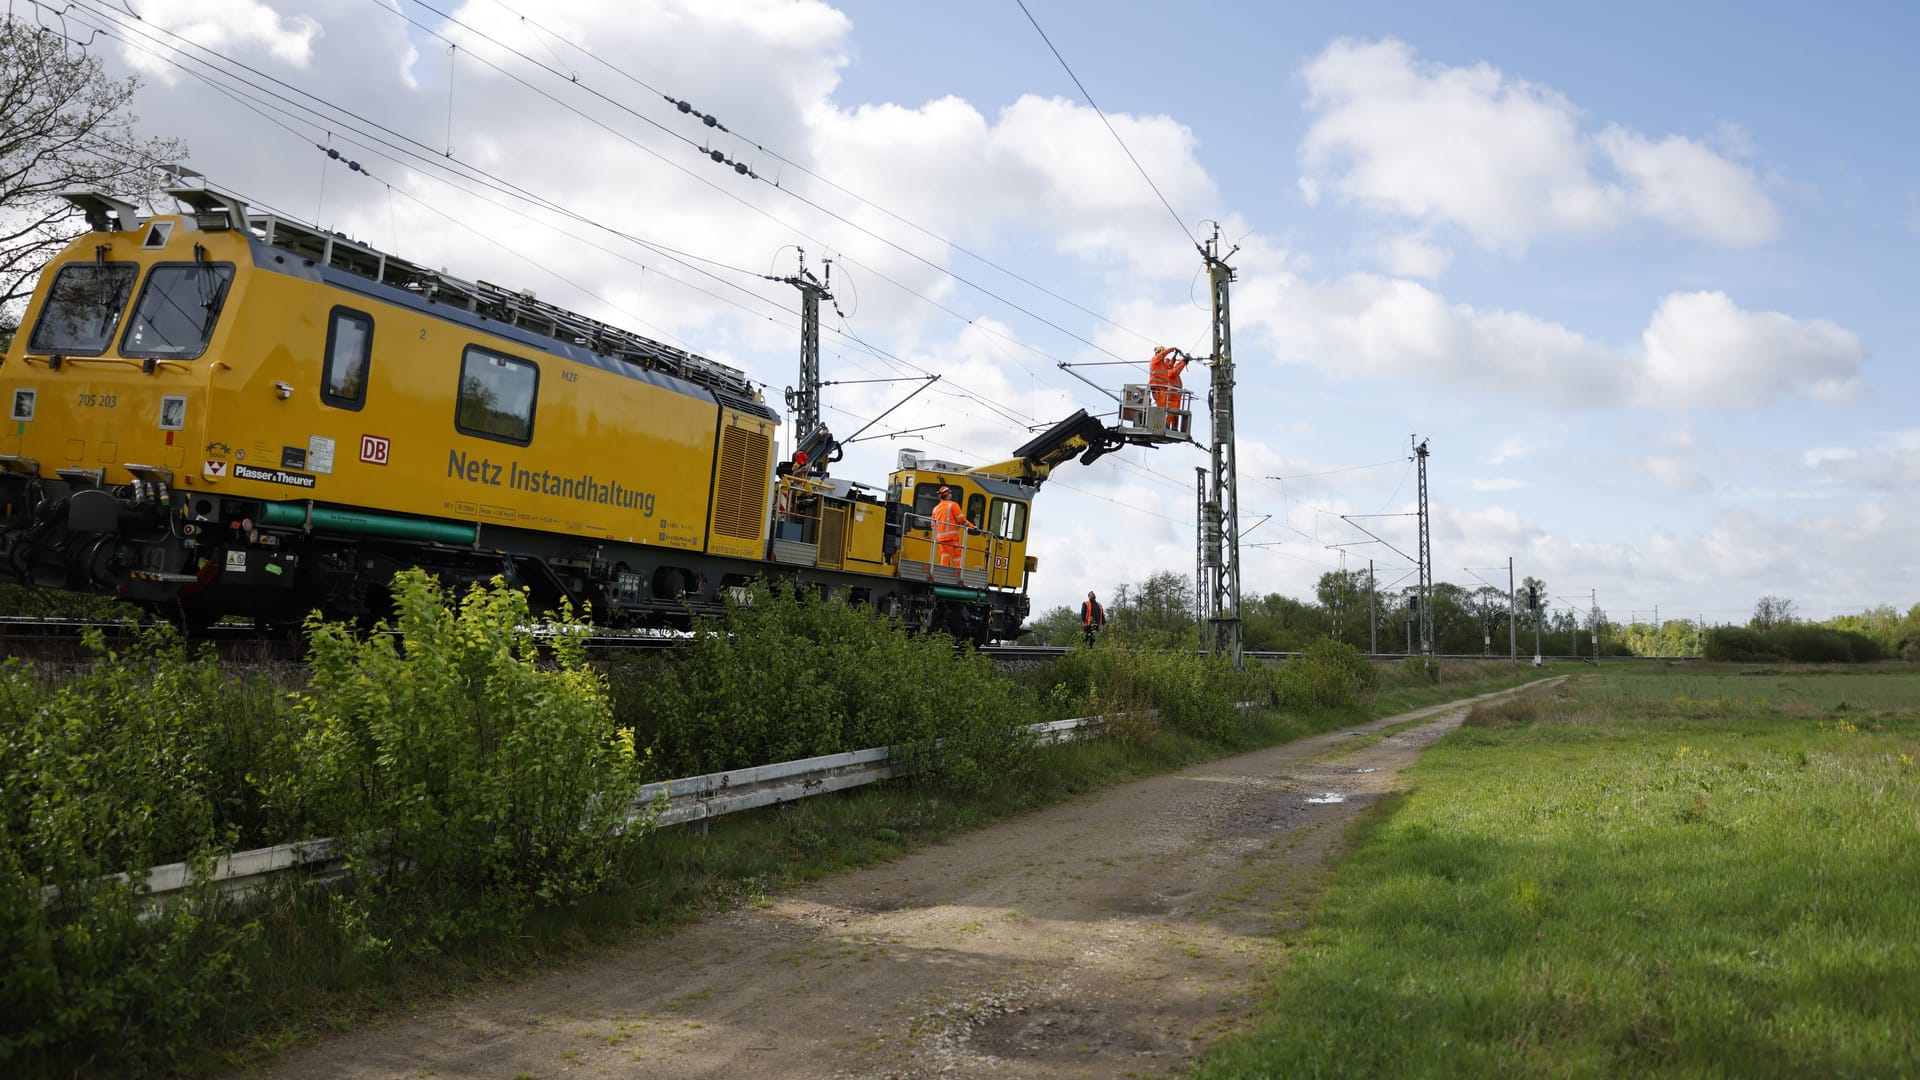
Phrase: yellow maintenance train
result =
(217, 412)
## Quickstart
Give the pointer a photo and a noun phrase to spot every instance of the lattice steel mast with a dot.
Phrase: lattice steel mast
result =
(804, 400)
(1221, 523)
(1426, 561)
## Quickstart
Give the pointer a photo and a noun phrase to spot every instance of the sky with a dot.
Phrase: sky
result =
(1640, 275)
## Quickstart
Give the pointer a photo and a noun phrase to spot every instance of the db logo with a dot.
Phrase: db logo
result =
(373, 449)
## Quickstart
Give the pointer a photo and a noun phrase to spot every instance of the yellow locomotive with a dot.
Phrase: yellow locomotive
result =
(215, 412)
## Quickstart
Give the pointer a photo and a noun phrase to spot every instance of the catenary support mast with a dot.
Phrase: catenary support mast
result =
(1426, 562)
(804, 399)
(1221, 524)
(1202, 613)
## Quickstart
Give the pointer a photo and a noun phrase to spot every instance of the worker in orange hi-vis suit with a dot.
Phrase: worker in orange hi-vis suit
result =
(1163, 378)
(948, 520)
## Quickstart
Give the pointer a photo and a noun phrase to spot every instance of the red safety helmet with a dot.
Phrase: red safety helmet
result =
(944, 490)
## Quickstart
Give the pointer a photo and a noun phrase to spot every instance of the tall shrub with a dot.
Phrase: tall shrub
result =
(139, 760)
(1328, 674)
(786, 676)
(469, 776)
(1128, 672)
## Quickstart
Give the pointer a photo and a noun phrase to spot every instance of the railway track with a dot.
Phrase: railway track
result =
(60, 641)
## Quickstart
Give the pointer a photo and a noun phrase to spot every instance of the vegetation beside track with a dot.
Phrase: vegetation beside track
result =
(446, 755)
(1701, 871)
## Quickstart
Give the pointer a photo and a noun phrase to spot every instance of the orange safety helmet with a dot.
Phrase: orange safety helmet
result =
(944, 490)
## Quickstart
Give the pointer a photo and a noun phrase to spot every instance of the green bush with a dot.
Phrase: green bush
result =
(1738, 645)
(1795, 643)
(784, 677)
(30, 602)
(1127, 673)
(1328, 675)
(142, 759)
(468, 777)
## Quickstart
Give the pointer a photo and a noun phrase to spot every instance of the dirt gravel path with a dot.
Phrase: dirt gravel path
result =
(1115, 935)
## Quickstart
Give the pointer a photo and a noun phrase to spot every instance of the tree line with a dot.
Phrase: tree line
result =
(1474, 621)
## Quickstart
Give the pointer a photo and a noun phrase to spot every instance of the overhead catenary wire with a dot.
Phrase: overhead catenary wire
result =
(711, 121)
(1177, 220)
(744, 171)
(484, 179)
(421, 155)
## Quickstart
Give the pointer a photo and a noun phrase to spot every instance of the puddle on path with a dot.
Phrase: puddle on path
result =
(1329, 797)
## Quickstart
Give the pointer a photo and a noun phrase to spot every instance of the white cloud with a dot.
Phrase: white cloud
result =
(224, 26)
(1702, 349)
(1506, 159)
(1496, 483)
(1514, 448)
(1412, 255)
(1891, 465)
(1698, 349)
(1689, 188)
(1675, 473)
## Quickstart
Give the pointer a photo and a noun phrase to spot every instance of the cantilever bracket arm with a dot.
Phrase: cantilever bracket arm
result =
(929, 381)
(1068, 368)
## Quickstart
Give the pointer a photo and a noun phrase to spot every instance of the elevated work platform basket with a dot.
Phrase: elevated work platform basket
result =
(1150, 414)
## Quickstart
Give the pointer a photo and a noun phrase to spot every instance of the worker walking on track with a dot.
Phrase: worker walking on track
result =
(1093, 617)
(948, 520)
(1163, 378)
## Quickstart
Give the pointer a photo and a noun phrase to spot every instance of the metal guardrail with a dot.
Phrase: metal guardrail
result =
(678, 802)
(670, 802)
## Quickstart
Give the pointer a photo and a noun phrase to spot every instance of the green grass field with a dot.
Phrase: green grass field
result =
(1655, 870)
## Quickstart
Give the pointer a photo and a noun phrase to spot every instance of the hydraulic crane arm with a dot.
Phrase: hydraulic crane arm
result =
(1079, 435)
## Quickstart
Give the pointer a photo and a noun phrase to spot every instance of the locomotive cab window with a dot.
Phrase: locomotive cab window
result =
(926, 496)
(496, 396)
(1009, 520)
(176, 311)
(343, 382)
(976, 508)
(83, 309)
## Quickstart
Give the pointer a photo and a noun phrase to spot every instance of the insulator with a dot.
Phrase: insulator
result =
(333, 153)
(710, 121)
(684, 107)
(739, 168)
(717, 156)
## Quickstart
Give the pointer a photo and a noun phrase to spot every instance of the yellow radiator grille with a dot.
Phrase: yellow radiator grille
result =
(833, 537)
(740, 489)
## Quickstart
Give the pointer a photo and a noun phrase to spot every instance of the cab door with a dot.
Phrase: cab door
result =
(1006, 527)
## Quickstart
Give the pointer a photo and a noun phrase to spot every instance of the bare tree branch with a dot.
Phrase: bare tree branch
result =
(64, 125)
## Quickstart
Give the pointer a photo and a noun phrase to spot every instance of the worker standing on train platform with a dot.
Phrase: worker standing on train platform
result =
(1163, 378)
(948, 520)
(1093, 617)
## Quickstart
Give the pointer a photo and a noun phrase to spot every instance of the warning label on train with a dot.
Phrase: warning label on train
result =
(273, 476)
